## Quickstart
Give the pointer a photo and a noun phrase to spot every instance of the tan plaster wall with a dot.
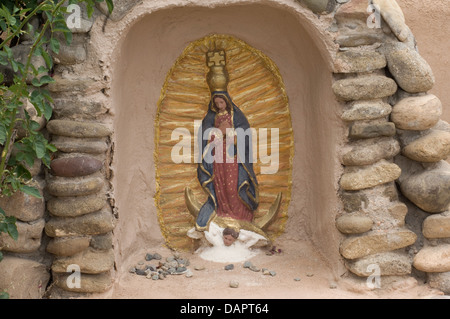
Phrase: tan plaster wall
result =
(148, 51)
(430, 23)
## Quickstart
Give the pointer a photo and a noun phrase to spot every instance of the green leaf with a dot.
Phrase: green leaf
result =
(31, 191)
(54, 45)
(3, 134)
(4, 295)
(39, 148)
(12, 231)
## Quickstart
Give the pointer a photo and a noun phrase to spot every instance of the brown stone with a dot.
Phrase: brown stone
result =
(29, 240)
(80, 145)
(23, 278)
(24, 207)
(360, 130)
(96, 223)
(376, 242)
(430, 148)
(67, 246)
(75, 166)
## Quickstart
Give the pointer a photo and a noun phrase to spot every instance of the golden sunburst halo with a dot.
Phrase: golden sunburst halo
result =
(256, 87)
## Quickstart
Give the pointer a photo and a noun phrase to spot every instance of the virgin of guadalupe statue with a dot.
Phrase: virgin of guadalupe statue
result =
(225, 169)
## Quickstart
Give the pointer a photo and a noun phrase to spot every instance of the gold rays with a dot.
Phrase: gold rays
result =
(257, 89)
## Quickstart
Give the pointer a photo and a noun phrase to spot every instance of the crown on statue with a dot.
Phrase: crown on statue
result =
(217, 77)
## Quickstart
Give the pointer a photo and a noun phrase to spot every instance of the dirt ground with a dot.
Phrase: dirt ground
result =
(296, 261)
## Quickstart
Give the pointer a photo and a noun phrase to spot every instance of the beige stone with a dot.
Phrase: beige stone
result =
(80, 145)
(394, 17)
(417, 113)
(80, 85)
(398, 212)
(430, 148)
(22, 278)
(24, 207)
(433, 259)
(366, 87)
(354, 223)
(359, 61)
(89, 260)
(376, 242)
(366, 110)
(78, 129)
(437, 226)
(440, 280)
(29, 240)
(366, 177)
(67, 246)
(391, 264)
(89, 283)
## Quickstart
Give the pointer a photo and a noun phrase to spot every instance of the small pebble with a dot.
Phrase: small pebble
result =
(155, 277)
(189, 274)
(272, 273)
(309, 274)
(297, 279)
(234, 284)
(199, 267)
(148, 257)
(132, 270)
(140, 272)
(254, 268)
(333, 285)
(229, 267)
(157, 256)
(248, 264)
(181, 270)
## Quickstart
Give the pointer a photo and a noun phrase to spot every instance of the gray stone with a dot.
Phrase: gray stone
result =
(412, 73)
(370, 151)
(430, 148)
(366, 110)
(96, 223)
(360, 130)
(78, 129)
(29, 240)
(76, 206)
(234, 284)
(429, 190)
(320, 6)
(70, 54)
(354, 223)
(76, 108)
(433, 259)
(365, 87)
(440, 281)
(357, 178)
(67, 246)
(359, 61)
(357, 39)
(121, 8)
(417, 113)
(23, 278)
(376, 242)
(390, 263)
(89, 260)
(437, 226)
(394, 17)
(71, 85)
(82, 186)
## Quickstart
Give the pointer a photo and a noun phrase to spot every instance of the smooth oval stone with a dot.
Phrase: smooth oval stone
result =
(75, 166)
(78, 129)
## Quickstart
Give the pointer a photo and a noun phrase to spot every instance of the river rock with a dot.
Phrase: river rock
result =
(80, 85)
(429, 189)
(75, 166)
(29, 240)
(78, 129)
(24, 207)
(356, 178)
(80, 145)
(376, 242)
(33, 275)
(354, 223)
(61, 186)
(361, 130)
(89, 283)
(370, 151)
(76, 108)
(76, 206)
(433, 259)
(97, 223)
(440, 280)
(89, 260)
(430, 148)
(358, 61)
(365, 87)
(391, 264)
(67, 246)
(417, 113)
(437, 226)
(366, 110)
(412, 73)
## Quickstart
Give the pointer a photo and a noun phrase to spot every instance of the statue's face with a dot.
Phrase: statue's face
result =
(228, 240)
(220, 103)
